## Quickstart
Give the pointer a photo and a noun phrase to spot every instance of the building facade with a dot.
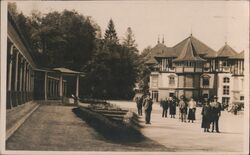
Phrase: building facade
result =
(193, 69)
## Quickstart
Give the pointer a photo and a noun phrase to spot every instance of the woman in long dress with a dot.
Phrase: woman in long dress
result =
(206, 116)
(172, 107)
(191, 110)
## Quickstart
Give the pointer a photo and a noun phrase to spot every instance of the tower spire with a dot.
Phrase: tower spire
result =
(158, 39)
(163, 39)
(191, 33)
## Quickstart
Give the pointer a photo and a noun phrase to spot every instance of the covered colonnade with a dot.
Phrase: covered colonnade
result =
(26, 81)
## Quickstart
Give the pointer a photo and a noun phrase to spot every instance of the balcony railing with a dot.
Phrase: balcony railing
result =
(188, 69)
(15, 98)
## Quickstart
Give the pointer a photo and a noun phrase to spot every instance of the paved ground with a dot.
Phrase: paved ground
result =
(14, 115)
(189, 136)
(55, 127)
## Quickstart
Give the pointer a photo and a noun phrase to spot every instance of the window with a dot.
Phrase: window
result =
(154, 81)
(226, 80)
(189, 81)
(225, 100)
(241, 98)
(225, 64)
(225, 90)
(171, 94)
(171, 80)
(205, 81)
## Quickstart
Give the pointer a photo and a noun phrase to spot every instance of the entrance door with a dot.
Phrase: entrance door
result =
(155, 96)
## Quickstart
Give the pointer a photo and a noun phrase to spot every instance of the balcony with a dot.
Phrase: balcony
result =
(188, 69)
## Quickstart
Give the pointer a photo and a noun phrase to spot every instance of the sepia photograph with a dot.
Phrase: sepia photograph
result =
(125, 77)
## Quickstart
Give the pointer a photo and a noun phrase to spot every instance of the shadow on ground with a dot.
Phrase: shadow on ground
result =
(116, 132)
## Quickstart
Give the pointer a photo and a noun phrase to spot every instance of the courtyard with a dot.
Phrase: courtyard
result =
(57, 128)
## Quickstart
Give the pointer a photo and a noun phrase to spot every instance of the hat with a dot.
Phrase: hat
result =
(215, 97)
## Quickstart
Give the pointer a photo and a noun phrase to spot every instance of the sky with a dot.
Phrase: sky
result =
(212, 22)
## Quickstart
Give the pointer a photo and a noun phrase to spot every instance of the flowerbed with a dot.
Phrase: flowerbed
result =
(111, 121)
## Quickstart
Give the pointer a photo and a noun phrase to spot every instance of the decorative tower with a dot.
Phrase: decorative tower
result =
(189, 69)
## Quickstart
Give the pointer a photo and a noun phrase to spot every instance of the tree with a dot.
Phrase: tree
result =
(129, 40)
(144, 70)
(110, 33)
(12, 8)
(65, 39)
(113, 71)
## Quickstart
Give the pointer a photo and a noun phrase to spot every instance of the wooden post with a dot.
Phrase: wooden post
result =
(61, 86)
(45, 86)
(10, 68)
(21, 81)
(77, 88)
(16, 74)
(10, 77)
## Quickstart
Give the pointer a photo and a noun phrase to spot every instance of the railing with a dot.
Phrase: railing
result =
(188, 69)
(15, 98)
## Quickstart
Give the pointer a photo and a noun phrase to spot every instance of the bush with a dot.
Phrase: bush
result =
(123, 131)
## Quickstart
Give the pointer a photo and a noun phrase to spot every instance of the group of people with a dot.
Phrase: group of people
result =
(211, 111)
(185, 108)
(169, 103)
(147, 103)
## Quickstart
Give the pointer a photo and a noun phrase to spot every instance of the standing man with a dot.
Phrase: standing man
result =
(164, 105)
(183, 109)
(215, 113)
(206, 115)
(139, 101)
(147, 104)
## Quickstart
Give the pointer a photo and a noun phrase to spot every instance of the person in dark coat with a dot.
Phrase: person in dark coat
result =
(164, 105)
(206, 116)
(139, 102)
(147, 104)
(183, 109)
(191, 110)
(172, 107)
(215, 114)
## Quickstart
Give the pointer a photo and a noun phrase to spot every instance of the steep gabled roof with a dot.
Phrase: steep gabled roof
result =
(201, 48)
(238, 56)
(189, 52)
(159, 49)
(168, 52)
(226, 51)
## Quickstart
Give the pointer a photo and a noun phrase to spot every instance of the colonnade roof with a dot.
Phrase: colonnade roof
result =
(67, 71)
(61, 70)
